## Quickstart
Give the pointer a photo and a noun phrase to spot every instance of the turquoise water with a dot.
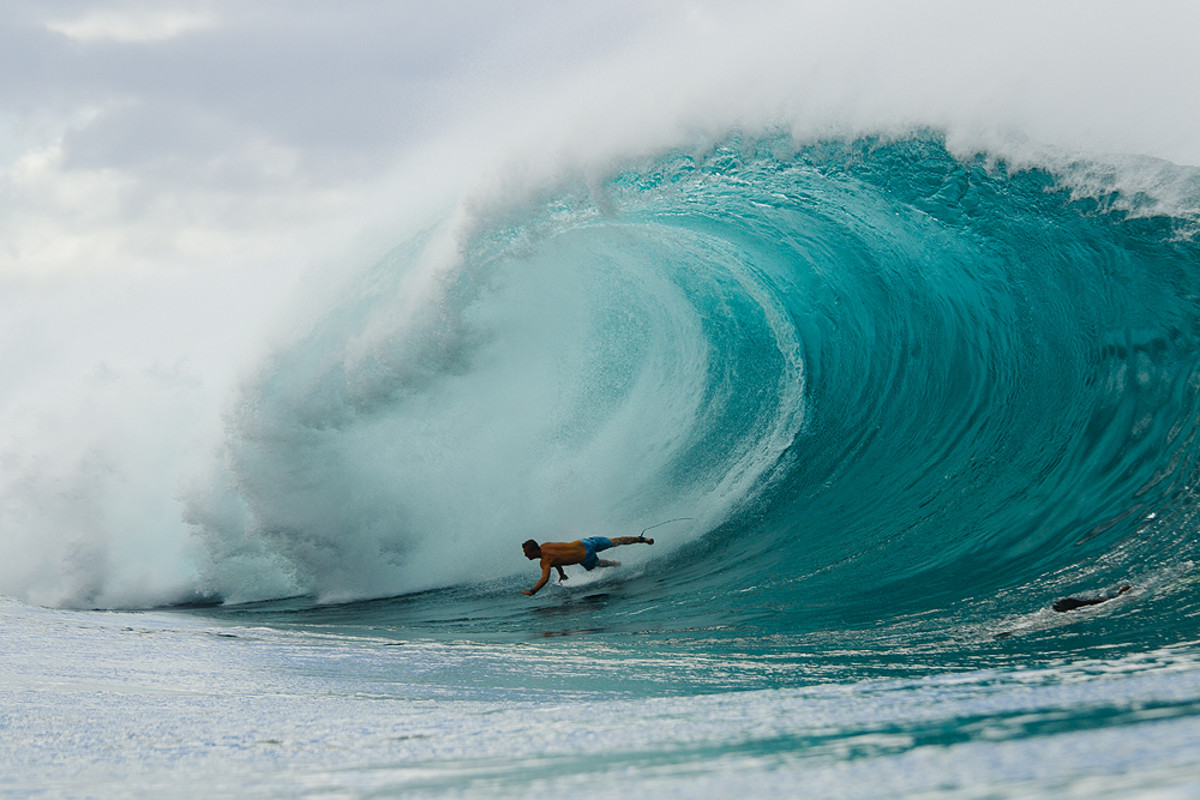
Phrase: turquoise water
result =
(877, 382)
(889, 404)
(121, 704)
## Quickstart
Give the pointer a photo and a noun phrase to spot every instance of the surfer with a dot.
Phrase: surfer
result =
(1072, 603)
(556, 555)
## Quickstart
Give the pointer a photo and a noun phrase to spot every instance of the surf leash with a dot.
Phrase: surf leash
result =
(659, 524)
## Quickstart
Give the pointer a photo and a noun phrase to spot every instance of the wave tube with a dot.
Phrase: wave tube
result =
(864, 368)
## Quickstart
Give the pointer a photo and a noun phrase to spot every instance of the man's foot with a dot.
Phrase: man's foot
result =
(647, 540)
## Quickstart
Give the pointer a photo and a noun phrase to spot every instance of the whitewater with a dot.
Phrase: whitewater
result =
(886, 373)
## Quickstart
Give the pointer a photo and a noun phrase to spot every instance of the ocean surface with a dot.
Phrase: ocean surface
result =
(879, 404)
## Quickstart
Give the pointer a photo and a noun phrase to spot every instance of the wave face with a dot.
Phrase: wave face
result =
(878, 380)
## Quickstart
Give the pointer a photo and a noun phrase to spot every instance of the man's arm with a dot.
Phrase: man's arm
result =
(562, 576)
(542, 582)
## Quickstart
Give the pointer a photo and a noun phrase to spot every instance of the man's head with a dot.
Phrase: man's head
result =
(533, 550)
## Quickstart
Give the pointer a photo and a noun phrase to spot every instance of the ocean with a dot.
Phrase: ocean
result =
(879, 403)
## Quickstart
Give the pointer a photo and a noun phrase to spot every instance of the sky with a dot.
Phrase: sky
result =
(137, 135)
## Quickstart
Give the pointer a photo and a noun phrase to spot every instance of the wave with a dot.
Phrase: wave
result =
(876, 377)
(868, 380)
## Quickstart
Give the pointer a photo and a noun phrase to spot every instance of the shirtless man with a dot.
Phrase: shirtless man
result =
(557, 555)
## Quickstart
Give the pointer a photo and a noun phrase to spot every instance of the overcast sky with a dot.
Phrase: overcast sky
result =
(148, 135)
(191, 121)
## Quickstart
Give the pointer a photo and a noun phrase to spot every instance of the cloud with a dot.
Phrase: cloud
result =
(113, 114)
(131, 24)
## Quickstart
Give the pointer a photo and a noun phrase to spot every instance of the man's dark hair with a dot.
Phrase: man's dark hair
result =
(530, 544)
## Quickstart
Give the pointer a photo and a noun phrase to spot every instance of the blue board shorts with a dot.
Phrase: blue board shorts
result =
(593, 545)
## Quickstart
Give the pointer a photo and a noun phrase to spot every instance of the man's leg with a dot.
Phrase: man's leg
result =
(619, 540)
(631, 540)
(597, 543)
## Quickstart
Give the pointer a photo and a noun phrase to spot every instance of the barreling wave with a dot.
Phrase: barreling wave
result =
(862, 368)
